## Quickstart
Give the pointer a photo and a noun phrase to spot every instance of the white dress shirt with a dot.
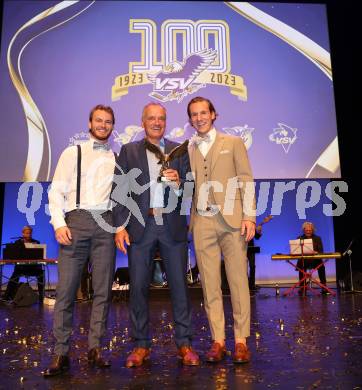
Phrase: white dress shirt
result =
(156, 189)
(97, 169)
(204, 147)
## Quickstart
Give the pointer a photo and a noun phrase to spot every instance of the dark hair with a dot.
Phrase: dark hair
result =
(199, 99)
(103, 108)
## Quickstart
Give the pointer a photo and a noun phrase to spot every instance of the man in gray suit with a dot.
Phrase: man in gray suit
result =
(222, 222)
(81, 188)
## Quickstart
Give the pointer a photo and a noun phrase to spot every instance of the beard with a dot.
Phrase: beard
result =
(100, 136)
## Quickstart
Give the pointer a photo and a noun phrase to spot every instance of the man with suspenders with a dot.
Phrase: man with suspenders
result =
(81, 189)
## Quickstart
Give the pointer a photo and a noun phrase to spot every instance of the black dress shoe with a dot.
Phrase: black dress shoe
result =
(96, 360)
(59, 364)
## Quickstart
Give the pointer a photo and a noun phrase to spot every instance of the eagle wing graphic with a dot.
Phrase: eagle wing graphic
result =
(192, 66)
(198, 62)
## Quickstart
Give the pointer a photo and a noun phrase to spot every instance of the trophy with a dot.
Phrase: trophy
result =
(165, 159)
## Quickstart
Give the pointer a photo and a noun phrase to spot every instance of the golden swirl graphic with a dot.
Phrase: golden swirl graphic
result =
(315, 53)
(38, 162)
(329, 158)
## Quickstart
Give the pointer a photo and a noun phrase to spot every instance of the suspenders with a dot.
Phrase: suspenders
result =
(79, 160)
(79, 163)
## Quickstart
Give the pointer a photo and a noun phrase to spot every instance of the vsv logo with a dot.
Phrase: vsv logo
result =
(180, 79)
(192, 55)
(244, 132)
(169, 84)
(284, 135)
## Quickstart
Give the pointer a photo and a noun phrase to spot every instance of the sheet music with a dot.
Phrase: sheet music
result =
(305, 246)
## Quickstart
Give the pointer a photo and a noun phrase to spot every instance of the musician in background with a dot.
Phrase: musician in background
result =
(309, 232)
(251, 258)
(25, 269)
(251, 253)
(85, 290)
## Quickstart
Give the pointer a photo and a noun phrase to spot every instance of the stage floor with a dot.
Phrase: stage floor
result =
(296, 343)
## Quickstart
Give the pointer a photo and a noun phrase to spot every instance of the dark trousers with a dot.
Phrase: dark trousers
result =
(89, 240)
(251, 261)
(140, 259)
(85, 289)
(25, 270)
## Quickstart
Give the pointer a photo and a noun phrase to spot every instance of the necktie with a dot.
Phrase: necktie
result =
(100, 146)
(197, 140)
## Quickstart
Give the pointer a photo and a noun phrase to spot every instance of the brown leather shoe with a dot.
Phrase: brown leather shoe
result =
(59, 364)
(137, 357)
(216, 353)
(95, 358)
(241, 354)
(188, 355)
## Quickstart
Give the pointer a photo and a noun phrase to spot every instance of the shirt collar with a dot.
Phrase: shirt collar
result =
(92, 140)
(212, 134)
(162, 144)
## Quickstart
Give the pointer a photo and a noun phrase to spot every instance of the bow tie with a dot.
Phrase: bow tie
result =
(197, 140)
(100, 146)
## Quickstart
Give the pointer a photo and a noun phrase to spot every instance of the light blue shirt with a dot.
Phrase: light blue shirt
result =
(156, 189)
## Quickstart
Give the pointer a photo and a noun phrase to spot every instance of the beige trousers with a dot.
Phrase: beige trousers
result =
(213, 237)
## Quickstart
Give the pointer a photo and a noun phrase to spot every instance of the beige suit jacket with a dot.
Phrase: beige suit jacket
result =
(231, 168)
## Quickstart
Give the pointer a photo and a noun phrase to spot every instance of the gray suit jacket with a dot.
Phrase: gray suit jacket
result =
(230, 167)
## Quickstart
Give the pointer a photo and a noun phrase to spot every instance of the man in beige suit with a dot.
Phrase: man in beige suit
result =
(222, 222)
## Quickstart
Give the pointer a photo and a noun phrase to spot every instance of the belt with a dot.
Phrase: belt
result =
(89, 211)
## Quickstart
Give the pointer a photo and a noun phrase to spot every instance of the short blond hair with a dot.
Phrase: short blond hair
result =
(26, 227)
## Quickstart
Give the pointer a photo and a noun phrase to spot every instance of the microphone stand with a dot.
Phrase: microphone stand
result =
(348, 252)
(301, 241)
(190, 277)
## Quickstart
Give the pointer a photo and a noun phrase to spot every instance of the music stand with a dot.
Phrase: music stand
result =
(301, 246)
(306, 275)
(304, 248)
